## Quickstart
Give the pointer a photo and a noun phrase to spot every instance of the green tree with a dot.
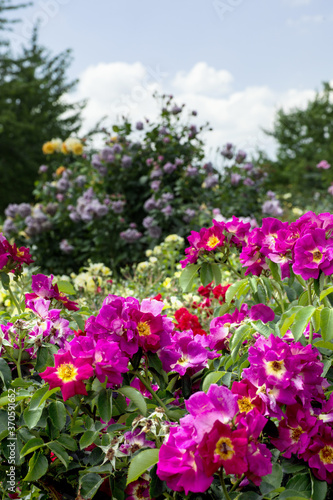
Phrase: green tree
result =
(6, 6)
(32, 111)
(304, 138)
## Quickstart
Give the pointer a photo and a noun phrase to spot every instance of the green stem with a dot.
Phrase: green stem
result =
(153, 393)
(232, 269)
(280, 296)
(310, 304)
(75, 414)
(237, 483)
(13, 298)
(223, 484)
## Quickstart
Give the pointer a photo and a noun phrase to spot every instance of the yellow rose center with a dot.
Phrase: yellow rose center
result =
(245, 405)
(317, 256)
(224, 448)
(19, 253)
(213, 241)
(143, 329)
(276, 368)
(67, 372)
(326, 454)
(296, 434)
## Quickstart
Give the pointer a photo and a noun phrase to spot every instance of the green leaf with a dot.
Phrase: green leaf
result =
(38, 466)
(60, 452)
(302, 318)
(210, 379)
(36, 399)
(326, 324)
(292, 495)
(233, 289)
(326, 292)
(136, 397)
(275, 270)
(157, 486)
(4, 280)
(287, 319)
(318, 488)
(32, 445)
(140, 463)
(216, 273)
(79, 321)
(187, 277)
(104, 405)
(57, 413)
(67, 442)
(31, 417)
(90, 484)
(5, 373)
(275, 478)
(324, 345)
(66, 287)
(304, 298)
(206, 274)
(88, 438)
(223, 309)
(301, 483)
(261, 327)
(239, 335)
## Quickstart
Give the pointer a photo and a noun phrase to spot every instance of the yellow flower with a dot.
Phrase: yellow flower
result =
(114, 138)
(48, 148)
(77, 149)
(56, 143)
(73, 145)
(64, 149)
(60, 170)
(166, 283)
(149, 253)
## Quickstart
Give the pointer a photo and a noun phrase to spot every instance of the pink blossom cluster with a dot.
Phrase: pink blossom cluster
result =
(218, 432)
(215, 238)
(220, 327)
(12, 257)
(306, 244)
(287, 378)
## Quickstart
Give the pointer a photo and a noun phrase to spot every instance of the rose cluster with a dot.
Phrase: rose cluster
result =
(305, 245)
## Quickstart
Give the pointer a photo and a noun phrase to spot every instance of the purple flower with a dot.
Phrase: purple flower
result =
(130, 235)
(155, 185)
(169, 168)
(167, 211)
(191, 171)
(189, 213)
(118, 206)
(155, 232)
(211, 181)
(148, 222)
(65, 246)
(126, 161)
(135, 441)
(42, 169)
(248, 182)
(240, 157)
(139, 126)
(313, 252)
(117, 148)
(323, 164)
(235, 178)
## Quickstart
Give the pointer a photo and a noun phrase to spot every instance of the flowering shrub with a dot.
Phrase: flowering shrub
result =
(230, 398)
(145, 183)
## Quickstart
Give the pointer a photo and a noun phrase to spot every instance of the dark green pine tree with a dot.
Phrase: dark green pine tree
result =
(7, 7)
(304, 138)
(32, 111)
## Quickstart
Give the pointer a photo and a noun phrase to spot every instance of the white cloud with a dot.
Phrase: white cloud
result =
(203, 79)
(117, 89)
(297, 3)
(306, 20)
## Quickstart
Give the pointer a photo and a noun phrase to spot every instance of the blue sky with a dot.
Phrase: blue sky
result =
(235, 61)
